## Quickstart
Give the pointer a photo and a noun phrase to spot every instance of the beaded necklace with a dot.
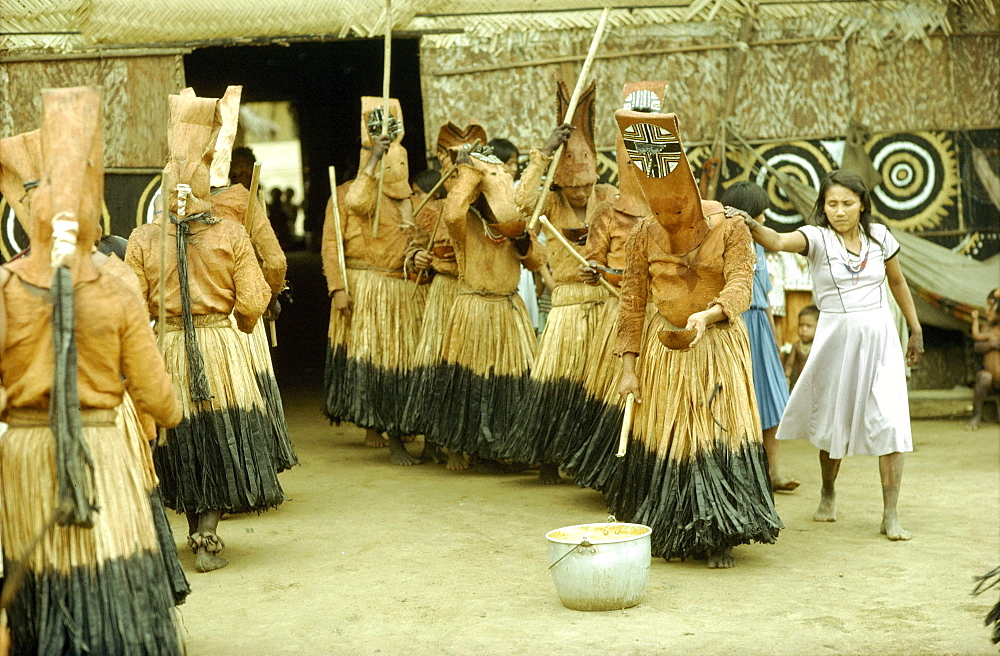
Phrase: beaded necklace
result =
(855, 264)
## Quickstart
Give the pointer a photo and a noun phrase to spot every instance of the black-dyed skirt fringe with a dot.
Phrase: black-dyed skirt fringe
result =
(179, 586)
(543, 428)
(120, 607)
(284, 452)
(593, 463)
(336, 386)
(419, 407)
(219, 460)
(718, 499)
(471, 412)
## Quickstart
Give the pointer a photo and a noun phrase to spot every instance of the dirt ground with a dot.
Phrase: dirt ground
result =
(369, 558)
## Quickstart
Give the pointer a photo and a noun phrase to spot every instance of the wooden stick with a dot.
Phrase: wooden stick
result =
(386, 68)
(437, 185)
(570, 111)
(626, 426)
(569, 248)
(273, 332)
(254, 184)
(472, 70)
(341, 261)
(161, 319)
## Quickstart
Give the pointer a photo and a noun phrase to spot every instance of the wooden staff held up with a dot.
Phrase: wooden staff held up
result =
(626, 426)
(161, 319)
(251, 208)
(386, 68)
(569, 248)
(341, 261)
(570, 111)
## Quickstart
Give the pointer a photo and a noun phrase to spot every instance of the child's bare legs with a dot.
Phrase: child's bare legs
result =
(984, 381)
(829, 468)
(890, 468)
(771, 447)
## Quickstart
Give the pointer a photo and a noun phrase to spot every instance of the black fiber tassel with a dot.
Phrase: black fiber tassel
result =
(74, 465)
(197, 380)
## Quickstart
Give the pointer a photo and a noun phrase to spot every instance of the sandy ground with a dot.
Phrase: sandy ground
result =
(369, 558)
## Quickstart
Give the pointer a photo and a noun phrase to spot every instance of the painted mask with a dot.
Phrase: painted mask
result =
(397, 172)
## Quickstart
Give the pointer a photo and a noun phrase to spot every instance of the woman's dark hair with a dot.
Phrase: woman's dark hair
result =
(852, 181)
(746, 196)
(504, 149)
(242, 152)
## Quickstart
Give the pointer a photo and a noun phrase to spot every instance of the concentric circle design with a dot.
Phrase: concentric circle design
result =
(919, 179)
(13, 239)
(803, 162)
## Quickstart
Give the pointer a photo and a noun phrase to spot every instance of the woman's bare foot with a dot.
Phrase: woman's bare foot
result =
(398, 455)
(721, 559)
(206, 546)
(375, 440)
(891, 529)
(780, 484)
(457, 462)
(548, 474)
(827, 511)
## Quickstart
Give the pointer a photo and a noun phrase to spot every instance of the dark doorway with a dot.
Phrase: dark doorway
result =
(324, 82)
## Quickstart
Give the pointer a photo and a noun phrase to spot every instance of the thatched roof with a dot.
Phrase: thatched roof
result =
(74, 25)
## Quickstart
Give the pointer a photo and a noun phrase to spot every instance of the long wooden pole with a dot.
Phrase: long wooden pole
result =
(570, 111)
(626, 425)
(341, 261)
(569, 248)
(161, 319)
(251, 208)
(386, 69)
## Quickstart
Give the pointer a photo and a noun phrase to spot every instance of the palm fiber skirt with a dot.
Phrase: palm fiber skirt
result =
(259, 351)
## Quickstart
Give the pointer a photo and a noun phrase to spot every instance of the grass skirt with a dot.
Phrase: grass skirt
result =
(127, 421)
(337, 386)
(542, 429)
(597, 417)
(101, 590)
(695, 470)
(486, 359)
(769, 382)
(441, 297)
(259, 350)
(382, 344)
(221, 456)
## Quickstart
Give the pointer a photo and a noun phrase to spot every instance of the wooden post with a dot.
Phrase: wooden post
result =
(386, 68)
(570, 110)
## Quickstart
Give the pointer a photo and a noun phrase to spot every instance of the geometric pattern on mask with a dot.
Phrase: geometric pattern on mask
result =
(374, 123)
(643, 100)
(654, 150)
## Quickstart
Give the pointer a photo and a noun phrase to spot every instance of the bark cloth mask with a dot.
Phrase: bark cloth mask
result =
(645, 97)
(396, 183)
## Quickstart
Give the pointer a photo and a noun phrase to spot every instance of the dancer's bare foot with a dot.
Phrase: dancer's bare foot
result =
(548, 474)
(457, 462)
(409, 438)
(973, 424)
(891, 529)
(398, 455)
(721, 559)
(432, 453)
(374, 440)
(827, 511)
(781, 484)
(207, 561)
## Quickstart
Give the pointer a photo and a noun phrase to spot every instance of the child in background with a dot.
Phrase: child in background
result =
(987, 342)
(507, 153)
(770, 386)
(796, 358)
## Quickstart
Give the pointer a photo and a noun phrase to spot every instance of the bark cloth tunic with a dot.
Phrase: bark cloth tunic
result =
(695, 469)
(231, 203)
(370, 354)
(489, 346)
(221, 456)
(542, 429)
(104, 589)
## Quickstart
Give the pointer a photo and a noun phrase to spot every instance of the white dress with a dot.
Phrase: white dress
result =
(851, 397)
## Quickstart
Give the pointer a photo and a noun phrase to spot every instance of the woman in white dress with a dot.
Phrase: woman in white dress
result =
(851, 397)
